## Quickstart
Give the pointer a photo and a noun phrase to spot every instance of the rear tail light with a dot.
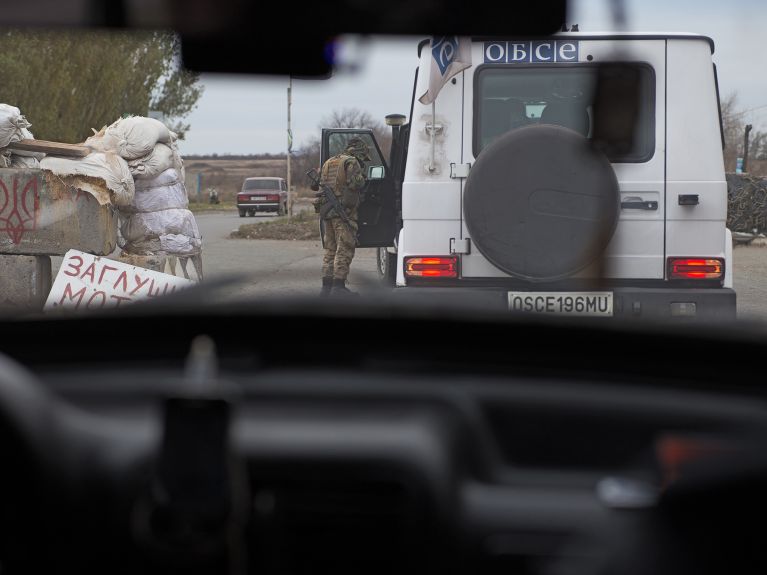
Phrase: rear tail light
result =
(695, 268)
(273, 198)
(242, 198)
(431, 267)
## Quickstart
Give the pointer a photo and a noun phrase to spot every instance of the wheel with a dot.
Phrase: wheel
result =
(541, 203)
(282, 210)
(387, 266)
(251, 213)
(242, 213)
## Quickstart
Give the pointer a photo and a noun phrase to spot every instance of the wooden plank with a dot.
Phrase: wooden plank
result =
(53, 148)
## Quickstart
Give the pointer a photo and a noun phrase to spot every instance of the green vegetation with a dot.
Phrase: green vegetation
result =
(68, 81)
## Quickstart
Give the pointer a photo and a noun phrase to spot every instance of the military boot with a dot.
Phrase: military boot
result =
(327, 286)
(340, 289)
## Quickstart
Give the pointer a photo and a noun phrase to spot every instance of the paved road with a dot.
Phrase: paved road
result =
(271, 267)
(750, 269)
(267, 267)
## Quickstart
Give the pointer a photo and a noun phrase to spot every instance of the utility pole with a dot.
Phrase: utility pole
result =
(290, 148)
(745, 148)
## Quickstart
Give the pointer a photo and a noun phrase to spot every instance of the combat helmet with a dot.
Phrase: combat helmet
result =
(359, 149)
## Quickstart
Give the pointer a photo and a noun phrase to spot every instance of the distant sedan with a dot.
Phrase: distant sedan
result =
(264, 194)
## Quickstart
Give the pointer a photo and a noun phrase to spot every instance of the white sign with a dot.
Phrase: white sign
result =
(86, 281)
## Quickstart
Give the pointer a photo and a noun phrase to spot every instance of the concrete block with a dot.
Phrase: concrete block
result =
(25, 282)
(41, 213)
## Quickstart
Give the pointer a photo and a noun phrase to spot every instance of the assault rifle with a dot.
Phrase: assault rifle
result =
(331, 201)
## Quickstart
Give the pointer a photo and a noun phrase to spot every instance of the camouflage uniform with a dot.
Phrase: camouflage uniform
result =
(343, 174)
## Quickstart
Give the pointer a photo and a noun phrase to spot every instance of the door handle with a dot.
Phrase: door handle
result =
(639, 205)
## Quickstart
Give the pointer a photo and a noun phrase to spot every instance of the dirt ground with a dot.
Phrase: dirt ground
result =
(303, 226)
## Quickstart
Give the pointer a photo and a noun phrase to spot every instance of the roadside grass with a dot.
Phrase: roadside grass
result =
(198, 207)
(302, 226)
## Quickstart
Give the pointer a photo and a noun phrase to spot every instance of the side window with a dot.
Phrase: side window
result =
(337, 143)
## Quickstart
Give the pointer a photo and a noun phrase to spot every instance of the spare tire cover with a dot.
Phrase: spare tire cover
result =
(541, 203)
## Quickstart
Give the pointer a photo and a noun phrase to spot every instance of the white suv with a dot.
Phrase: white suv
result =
(576, 175)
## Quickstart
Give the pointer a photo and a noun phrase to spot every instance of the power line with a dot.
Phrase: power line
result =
(737, 114)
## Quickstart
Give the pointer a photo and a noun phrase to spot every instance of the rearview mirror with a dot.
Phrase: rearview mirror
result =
(376, 173)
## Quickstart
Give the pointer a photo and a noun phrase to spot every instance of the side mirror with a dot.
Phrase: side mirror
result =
(376, 173)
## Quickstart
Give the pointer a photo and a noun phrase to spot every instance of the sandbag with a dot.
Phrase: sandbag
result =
(142, 225)
(11, 124)
(166, 244)
(161, 158)
(24, 162)
(137, 136)
(108, 166)
(100, 142)
(164, 192)
(169, 177)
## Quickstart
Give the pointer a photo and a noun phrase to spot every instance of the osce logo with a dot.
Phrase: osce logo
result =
(510, 52)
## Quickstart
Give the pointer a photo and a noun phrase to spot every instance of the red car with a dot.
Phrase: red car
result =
(265, 194)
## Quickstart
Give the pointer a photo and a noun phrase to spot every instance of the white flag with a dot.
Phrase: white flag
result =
(450, 55)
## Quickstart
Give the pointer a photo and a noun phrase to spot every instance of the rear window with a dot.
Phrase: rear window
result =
(509, 97)
(261, 185)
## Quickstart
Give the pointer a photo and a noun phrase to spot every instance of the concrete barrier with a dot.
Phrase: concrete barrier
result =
(43, 214)
(25, 282)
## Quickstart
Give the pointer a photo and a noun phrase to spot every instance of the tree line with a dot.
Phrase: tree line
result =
(68, 81)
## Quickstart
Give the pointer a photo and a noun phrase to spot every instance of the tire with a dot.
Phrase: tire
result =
(282, 210)
(251, 213)
(541, 203)
(242, 213)
(386, 266)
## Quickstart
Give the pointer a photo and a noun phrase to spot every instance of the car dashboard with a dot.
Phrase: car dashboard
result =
(203, 449)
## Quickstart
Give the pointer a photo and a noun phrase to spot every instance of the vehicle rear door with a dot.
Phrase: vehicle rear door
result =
(638, 244)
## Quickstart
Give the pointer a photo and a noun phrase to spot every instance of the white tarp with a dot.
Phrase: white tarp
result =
(108, 166)
(87, 282)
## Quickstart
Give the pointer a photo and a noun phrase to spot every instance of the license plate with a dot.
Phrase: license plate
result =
(257, 198)
(594, 304)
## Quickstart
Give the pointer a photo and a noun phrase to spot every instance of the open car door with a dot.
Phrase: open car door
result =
(377, 209)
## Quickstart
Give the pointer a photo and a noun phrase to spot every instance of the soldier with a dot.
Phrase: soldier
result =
(344, 174)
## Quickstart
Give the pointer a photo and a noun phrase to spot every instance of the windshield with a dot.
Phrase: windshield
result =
(616, 169)
(261, 185)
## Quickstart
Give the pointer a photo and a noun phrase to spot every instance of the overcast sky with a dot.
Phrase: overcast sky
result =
(249, 115)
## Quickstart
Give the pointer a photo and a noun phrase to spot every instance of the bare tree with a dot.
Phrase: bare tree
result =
(356, 118)
(308, 156)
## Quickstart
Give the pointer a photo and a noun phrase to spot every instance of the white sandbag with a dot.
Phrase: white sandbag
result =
(108, 166)
(169, 177)
(177, 244)
(25, 162)
(11, 124)
(161, 158)
(100, 142)
(162, 193)
(142, 226)
(5, 159)
(137, 135)
(167, 244)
